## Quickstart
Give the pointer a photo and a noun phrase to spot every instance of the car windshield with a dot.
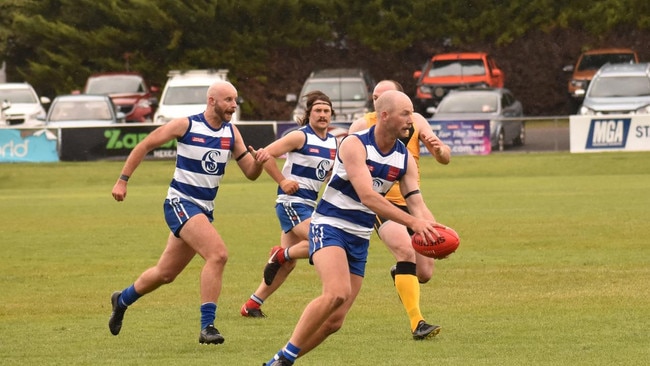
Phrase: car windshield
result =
(80, 111)
(594, 62)
(115, 85)
(469, 103)
(621, 86)
(17, 96)
(456, 67)
(337, 91)
(180, 95)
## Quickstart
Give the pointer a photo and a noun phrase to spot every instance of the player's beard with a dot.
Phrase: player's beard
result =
(223, 114)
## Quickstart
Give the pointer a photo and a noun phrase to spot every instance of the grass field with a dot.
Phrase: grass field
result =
(553, 269)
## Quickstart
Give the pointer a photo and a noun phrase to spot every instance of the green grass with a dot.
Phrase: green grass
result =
(552, 269)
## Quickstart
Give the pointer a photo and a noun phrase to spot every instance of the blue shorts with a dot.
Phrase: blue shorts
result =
(321, 236)
(291, 214)
(178, 211)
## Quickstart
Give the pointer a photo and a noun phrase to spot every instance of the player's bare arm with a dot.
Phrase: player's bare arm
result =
(440, 151)
(353, 155)
(291, 141)
(171, 130)
(410, 190)
(358, 125)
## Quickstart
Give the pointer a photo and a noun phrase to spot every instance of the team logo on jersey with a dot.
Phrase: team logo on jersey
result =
(210, 161)
(377, 184)
(322, 169)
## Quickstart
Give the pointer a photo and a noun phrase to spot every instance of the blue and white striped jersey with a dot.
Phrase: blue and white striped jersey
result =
(309, 166)
(340, 206)
(202, 154)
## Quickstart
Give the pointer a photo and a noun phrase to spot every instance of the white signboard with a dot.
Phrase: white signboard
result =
(609, 133)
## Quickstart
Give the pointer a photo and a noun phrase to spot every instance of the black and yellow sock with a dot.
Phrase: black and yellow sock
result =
(408, 289)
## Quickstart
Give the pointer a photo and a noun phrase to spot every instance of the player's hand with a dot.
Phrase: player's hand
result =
(260, 155)
(119, 190)
(427, 228)
(289, 186)
(435, 142)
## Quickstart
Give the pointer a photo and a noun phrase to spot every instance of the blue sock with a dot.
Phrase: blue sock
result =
(208, 314)
(290, 352)
(129, 296)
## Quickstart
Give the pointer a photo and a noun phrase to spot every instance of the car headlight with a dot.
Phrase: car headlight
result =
(586, 111)
(643, 110)
(579, 84)
(34, 115)
(424, 89)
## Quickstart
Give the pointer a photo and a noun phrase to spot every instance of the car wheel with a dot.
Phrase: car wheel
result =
(521, 139)
(501, 140)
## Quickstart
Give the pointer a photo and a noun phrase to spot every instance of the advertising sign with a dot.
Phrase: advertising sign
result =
(463, 137)
(609, 133)
(33, 146)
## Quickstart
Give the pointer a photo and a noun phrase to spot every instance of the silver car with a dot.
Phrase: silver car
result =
(618, 89)
(498, 105)
(83, 110)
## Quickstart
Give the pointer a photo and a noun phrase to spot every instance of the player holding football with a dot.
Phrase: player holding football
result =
(206, 142)
(366, 166)
(310, 152)
(411, 266)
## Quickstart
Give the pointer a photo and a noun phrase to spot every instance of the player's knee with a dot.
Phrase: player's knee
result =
(403, 253)
(424, 278)
(335, 300)
(217, 258)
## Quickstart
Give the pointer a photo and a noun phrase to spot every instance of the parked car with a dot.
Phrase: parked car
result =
(618, 89)
(448, 71)
(128, 91)
(22, 103)
(498, 105)
(185, 94)
(82, 110)
(350, 91)
(586, 67)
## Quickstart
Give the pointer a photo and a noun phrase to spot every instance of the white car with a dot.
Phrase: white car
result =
(185, 94)
(23, 103)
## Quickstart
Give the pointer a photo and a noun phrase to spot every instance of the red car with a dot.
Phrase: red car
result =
(447, 71)
(128, 91)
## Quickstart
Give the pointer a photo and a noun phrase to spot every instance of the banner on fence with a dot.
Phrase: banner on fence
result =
(27, 146)
(609, 133)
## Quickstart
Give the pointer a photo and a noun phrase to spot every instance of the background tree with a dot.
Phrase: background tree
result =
(270, 47)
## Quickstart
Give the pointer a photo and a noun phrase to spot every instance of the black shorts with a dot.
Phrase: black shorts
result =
(380, 220)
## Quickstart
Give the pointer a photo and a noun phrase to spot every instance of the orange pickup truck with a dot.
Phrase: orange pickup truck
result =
(447, 71)
(588, 64)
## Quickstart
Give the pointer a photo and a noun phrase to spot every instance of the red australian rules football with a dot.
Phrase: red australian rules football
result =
(446, 244)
